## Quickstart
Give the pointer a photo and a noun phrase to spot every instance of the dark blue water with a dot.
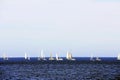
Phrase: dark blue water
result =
(18, 59)
(80, 69)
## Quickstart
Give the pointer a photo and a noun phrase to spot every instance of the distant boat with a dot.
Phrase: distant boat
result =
(98, 59)
(5, 57)
(69, 56)
(51, 58)
(26, 57)
(58, 58)
(91, 58)
(118, 57)
(42, 56)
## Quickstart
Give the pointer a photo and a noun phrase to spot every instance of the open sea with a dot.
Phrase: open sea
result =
(80, 69)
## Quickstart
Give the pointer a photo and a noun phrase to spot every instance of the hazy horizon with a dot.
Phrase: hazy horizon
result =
(82, 27)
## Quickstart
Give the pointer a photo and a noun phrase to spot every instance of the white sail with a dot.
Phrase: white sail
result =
(51, 58)
(25, 55)
(4, 56)
(118, 58)
(41, 54)
(92, 58)
(58, 58)
(69, 56)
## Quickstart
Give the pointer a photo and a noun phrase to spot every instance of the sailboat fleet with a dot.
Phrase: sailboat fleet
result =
(42, 57)
(68, 57)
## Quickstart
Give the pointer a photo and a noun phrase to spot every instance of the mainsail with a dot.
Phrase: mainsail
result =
(92, 58)
(58, 58)
(67, 55)
(51, 58)
(42, 56)
(118, 58)
(26, 56)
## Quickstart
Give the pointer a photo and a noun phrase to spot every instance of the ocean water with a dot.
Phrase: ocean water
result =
(34, 59)
(81, 69)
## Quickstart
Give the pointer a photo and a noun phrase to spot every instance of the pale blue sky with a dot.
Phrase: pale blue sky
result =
(83, 27)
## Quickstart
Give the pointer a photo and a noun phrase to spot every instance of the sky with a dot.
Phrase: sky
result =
(82, 27)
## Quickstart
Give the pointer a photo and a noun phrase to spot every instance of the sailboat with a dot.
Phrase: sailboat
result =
(5, 57)
(26, 57)
(69, 56)
(98, 59)
(42, 56)
(118, 57)
(58, 58)
(91, 58)
(51, 58)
